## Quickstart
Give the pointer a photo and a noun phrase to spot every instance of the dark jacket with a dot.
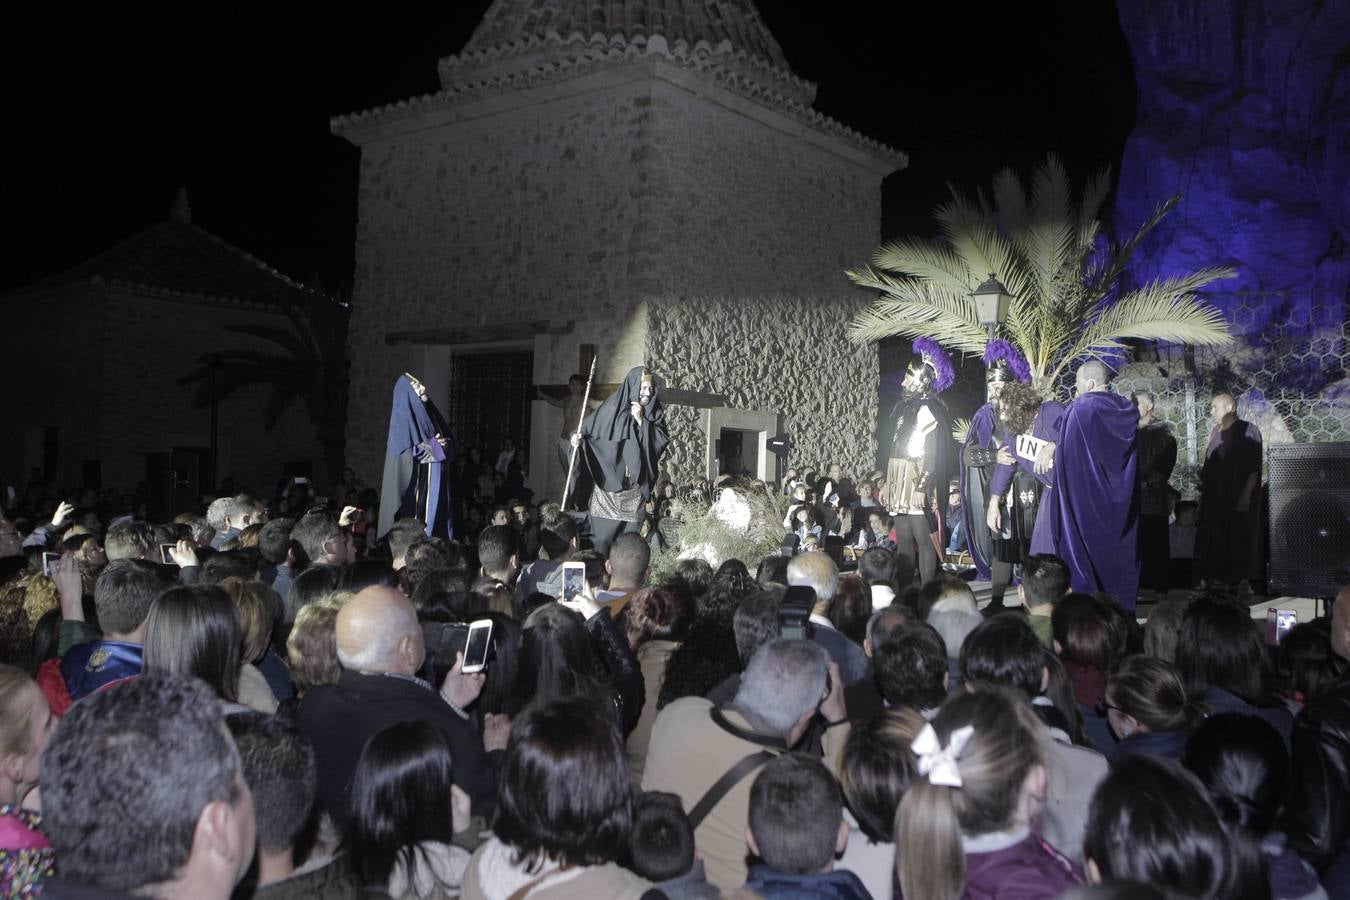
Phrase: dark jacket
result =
(339, 718)
(773, 885)
(1162, 744)
(1318, 809)
(625, 671)
(1028, 870)
(57, 889)
(334, 881)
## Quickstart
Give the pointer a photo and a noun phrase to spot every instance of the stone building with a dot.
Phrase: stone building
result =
(94, 355)
(646, 179)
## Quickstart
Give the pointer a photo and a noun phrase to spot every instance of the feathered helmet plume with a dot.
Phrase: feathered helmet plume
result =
(932, 354)
(1003, 359)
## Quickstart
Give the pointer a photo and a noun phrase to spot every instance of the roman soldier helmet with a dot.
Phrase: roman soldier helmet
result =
(936, 364)
(1003, 363)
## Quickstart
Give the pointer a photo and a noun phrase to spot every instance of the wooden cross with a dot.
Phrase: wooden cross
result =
(556, 394)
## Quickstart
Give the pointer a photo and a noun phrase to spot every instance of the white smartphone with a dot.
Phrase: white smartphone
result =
(49, 561)
(574, 580)
(477, 645)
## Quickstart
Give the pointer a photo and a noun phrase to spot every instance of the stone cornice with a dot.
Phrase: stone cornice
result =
(485, 88)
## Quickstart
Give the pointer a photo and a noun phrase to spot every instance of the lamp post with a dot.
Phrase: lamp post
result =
(991, 304)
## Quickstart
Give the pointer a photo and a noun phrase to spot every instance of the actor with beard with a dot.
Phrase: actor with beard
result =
(918, 472)
(1004, 365)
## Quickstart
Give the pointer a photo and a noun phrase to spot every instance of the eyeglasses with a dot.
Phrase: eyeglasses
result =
(1102, 708)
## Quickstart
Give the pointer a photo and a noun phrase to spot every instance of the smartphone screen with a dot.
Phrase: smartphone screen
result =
(1272, 626)
(166, 554)
(477, 646)
(1285, 621)
(49, 561)
(574, 579)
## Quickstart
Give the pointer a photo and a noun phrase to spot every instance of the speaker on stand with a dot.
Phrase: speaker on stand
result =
(1309, 519)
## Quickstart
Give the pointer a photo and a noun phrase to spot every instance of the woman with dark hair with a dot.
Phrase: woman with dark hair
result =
(658, 619)
(875, 770)
(1308, 665)
(707, 656)
(1222, 661)
(1089, 638)
(1147, 708)
(405, 809)
(564, 811)
(557, 661)
(851, 608)
(1152, 821)
(499, 685)
(1243, 763)
(366, 573)
(195, 631)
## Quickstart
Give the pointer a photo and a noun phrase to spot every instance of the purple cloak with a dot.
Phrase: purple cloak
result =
(1092, 518)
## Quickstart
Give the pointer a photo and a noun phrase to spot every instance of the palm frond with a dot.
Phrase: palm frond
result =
(923, 260)
(960, 428)
(1165, 310)
(290, 341)
(917, 309)
(281, 398)
(1090, 207)
(1010, 201)
(1120, 256)
(1051, 195)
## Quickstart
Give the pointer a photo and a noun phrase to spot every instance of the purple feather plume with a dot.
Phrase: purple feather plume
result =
(1000, 349)
(935, 356)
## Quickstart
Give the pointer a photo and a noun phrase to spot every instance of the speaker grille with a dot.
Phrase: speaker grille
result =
(1309, 518)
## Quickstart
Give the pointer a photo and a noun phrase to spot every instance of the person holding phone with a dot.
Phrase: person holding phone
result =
(381, 647)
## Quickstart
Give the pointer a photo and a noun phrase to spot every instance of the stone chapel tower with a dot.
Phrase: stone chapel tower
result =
(647, 178)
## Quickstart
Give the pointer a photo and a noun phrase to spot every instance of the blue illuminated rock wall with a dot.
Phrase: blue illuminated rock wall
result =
(1244, 109)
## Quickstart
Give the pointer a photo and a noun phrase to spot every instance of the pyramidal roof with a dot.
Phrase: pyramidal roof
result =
(523, 44)
(717, 23)
(176, 259)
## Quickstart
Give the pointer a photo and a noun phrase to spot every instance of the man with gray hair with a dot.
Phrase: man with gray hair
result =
(696, 744)
(817, 571)
(380, 647)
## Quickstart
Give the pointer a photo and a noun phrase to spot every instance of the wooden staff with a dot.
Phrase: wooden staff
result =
(571, 465)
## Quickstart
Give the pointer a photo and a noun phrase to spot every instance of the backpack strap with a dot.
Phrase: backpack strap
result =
(728, 780)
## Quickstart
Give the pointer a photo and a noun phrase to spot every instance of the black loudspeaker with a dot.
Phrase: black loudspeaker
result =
(1309, 519)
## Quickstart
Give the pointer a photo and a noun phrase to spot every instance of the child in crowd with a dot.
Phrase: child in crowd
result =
(965, 825)
(26, 856)
(661, 848)
(796, 828)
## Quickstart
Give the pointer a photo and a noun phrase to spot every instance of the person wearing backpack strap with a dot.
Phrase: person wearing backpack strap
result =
(709, 755)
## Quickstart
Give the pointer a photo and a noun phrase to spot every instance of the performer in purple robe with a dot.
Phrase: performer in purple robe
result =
(1016, 492)
(978, 461)
(1092, 516)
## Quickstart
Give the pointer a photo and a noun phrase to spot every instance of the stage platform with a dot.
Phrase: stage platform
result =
(1307, 608)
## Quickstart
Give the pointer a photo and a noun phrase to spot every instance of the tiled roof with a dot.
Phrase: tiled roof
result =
(522, 44)
(175, 258)
(735, 22)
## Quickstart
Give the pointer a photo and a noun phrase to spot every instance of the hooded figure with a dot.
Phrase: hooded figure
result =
(416, 482)
(618, 457)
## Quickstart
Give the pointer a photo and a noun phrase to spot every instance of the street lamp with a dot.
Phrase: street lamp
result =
(991, 304)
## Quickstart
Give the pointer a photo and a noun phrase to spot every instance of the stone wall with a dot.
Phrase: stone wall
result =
(617, 207)
(97, 367)
(780, 354)
(516, 216)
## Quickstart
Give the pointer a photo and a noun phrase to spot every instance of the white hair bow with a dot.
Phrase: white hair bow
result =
(939, 762)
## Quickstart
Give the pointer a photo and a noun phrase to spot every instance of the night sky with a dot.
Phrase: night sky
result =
(110, 111)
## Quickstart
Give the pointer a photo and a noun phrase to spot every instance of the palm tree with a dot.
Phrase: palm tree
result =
(1051, 256)
(308, 364)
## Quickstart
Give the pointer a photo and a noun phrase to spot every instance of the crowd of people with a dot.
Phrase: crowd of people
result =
(262, 700)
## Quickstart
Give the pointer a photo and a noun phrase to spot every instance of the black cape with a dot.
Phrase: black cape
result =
(617, 452)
